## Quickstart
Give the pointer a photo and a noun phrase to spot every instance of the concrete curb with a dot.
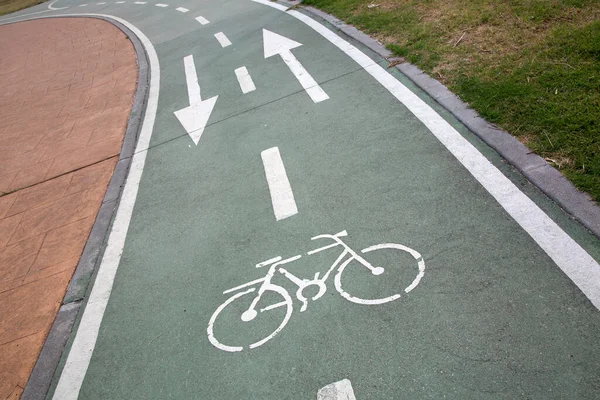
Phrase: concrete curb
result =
(533, 167)
(41, 376)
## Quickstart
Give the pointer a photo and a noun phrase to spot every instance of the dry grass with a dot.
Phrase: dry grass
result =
(9, 6)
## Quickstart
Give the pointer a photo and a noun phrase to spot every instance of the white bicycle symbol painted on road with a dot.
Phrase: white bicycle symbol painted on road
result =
(276, 265)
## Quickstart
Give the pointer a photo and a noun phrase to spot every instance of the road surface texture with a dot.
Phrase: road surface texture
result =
(66, 91)
(301, 222)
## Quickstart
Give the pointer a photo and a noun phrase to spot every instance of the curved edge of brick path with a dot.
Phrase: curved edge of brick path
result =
(55, 341)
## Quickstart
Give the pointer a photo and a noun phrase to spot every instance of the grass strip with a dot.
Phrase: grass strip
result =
(10, 6)
(531, 67)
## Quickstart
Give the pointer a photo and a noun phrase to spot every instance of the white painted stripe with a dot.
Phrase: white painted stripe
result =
(161, 5)
(181, 9)
(101, 3)
(220, 36)
(270, 261)
(341, 390)
(83, 5)
(202, 20)
(119, 2)
(191, 80)
(282, 197)
(139, 2)
(316, 93)
(50, 7)
(245, 80)
(570, 257)
(80, 353)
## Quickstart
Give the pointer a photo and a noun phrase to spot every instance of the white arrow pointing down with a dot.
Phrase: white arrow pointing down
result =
(195, 117)
(277, 44)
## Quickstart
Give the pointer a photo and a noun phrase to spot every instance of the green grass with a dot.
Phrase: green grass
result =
(9, 6)
(529, 66)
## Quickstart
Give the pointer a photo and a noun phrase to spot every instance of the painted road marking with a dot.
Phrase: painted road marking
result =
(161, 5)
(282, 197)
(181, 9)
(139, 2)
(195, 117)
(202, 20)
(341, 390)
(276, 44)
(220, 36)
(570, 257)
(50, 7)
(81, 351)
(119, 2)
(245, 80)
(319, 282)
(83, 5)
(101, 3)
(83, 345)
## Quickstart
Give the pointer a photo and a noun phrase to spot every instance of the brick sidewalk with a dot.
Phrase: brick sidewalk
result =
(66, 90)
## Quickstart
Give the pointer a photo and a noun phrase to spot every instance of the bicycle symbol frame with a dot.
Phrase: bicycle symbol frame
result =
(276, 265)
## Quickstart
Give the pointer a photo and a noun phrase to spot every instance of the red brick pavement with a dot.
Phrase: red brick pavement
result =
(66, 90)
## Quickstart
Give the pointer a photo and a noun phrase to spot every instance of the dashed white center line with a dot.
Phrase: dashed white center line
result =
(119, 2)
(220, 36)
(245, 80)
(161, 5)
(139, 2)
(83, 5)
(101, 3)
(181, 9)
(282, 197)
(202, 20)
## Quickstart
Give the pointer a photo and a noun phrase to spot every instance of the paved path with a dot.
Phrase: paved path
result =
(66, 90)
(298, 221)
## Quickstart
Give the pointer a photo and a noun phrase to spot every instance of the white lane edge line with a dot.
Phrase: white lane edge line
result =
(245, 80)
(282, 197)
(570, 257)
(223, 40)
(78, 360)
(182, 9)
(202, 20)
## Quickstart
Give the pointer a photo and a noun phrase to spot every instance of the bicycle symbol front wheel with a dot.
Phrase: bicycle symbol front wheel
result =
(420, 264)
(278, 290)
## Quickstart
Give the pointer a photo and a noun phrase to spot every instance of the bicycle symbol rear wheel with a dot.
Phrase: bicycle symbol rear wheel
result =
(287, 300)
(420, 264)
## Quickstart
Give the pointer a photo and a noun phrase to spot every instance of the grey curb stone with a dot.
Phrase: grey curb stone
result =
(41, 377)
(534, 168)
(42, 373)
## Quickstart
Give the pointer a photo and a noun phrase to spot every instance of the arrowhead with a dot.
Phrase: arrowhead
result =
(194, 118)
(277, 44)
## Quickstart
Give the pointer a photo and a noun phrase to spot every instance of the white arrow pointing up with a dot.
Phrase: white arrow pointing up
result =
(277, 44)
(194, 117)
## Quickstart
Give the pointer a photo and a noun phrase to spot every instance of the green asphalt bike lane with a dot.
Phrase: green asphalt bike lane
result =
(492, 317)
